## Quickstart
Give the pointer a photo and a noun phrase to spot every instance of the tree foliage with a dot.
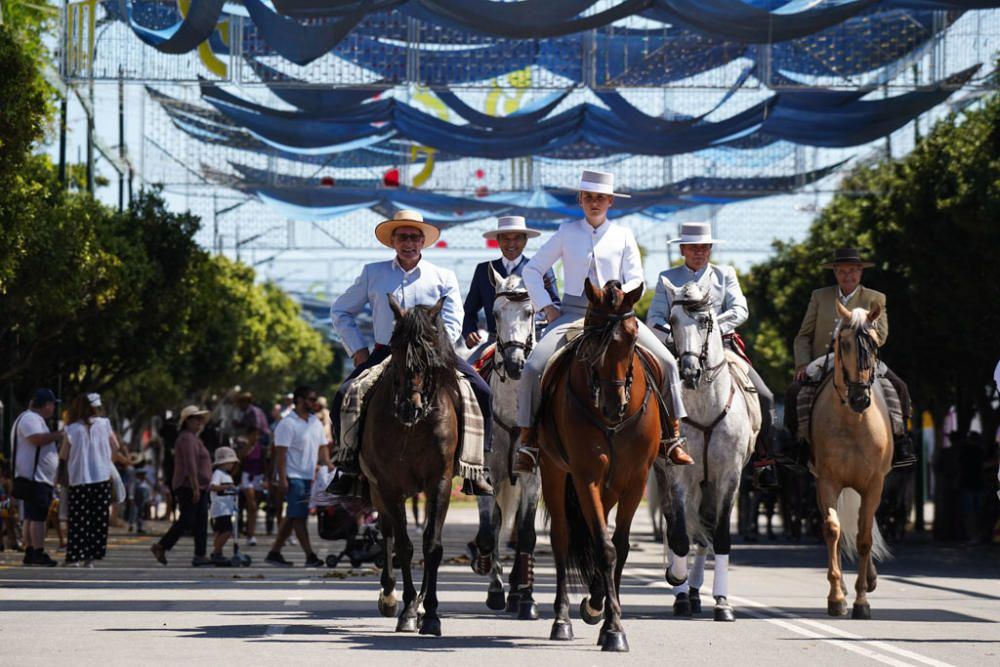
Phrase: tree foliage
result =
(929, 221)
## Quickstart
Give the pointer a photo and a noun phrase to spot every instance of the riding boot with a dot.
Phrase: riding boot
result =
(764, 476)
(903, 454)
(526, 460)
(672, 446)
(346, 481)
(477, 487)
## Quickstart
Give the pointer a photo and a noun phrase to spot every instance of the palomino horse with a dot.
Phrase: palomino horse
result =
(515, 322)
(697, 500)
(410, 438)
(599, 433)
(852, 448)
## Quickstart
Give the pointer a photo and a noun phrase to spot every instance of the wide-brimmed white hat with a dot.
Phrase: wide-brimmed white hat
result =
(225, 455)
(599, 181)
(191, 411)
(696, 233)
(511, 224)
(405, 218)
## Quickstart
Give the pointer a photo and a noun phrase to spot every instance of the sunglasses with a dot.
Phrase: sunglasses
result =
(408, 237)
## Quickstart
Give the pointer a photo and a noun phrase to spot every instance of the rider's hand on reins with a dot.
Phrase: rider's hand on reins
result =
(551, 313)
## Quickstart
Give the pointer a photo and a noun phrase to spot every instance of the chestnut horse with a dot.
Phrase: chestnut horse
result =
(410, 438)
(852, 446)
(599, 431)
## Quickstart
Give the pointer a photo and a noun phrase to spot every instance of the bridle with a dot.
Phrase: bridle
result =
(596, 382)
(706, 323)
(502, 346)
(867, 355)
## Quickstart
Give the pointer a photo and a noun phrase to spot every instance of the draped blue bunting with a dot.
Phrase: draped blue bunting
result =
(299, 43)
(184, 35)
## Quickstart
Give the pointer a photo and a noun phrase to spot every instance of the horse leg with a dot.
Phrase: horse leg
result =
(554, 490)
(678, 547)
(482, 547)
(866, 568)
(827, 494)
(696, 577)
(722, 541)
(404, 550)
(388, 605)
(437, 509)
(527, 608)
(494, 596)
(612, 636)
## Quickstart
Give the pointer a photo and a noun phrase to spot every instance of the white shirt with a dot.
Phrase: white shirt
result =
(222, 505)
(302, 439)
(31, 423)
(511, 265)
(844, 298)
(89, 459)
(728, 302)
(422, 285)
(608, 252)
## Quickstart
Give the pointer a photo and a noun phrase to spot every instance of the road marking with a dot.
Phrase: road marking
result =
(293, 602)
(302, 582)
(869, 648)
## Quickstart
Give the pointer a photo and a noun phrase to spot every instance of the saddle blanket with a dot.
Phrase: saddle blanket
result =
(739, 368)
(817, 374)
(472, 459)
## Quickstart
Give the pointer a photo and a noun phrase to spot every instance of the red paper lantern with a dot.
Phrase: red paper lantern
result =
(390, 178)
(482, 191)
(441, 244)
(480, 173)
(327, 181)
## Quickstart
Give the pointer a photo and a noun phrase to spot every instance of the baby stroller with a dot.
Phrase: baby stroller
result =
(352, 520)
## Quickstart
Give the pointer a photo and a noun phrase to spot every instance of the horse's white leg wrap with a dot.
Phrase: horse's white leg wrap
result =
(720, 582)
(679, 570)
(697, 576)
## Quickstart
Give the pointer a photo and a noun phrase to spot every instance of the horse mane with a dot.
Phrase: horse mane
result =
(421, 343)
(692, 297)
(867, 345)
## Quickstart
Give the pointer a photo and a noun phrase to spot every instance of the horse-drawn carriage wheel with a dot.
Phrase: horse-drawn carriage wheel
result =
(589, 615)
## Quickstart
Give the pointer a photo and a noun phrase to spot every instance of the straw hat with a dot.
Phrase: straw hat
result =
(225, 455)
(847, 256)
(404, 218)
(600, 182)
(696, 233)
(511, 224)
(191, 411)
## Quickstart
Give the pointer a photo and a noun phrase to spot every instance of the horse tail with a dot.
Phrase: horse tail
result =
(848, 507)
(582, 551)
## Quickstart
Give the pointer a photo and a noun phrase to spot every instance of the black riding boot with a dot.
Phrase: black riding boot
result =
(346, 481)
(903, 454)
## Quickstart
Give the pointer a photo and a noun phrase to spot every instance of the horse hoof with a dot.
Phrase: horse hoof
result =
(614, 640)
(562, 631)
(430, 626)
(407, 624)
(695, 596)
(387, 610)
(495, 600)
(672, 580)
(682, 606)
(589, 615)
(527, 610)
(724, 613)
(513, 602)
(862, 612)
(836, 607)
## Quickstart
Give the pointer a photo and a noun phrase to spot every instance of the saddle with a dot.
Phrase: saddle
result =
(739, 370)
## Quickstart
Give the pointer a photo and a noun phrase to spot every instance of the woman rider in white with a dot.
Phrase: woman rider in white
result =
(602, 250)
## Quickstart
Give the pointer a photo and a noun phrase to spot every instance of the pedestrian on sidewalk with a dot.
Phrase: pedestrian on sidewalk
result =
(192, 474)
(36, 460)
(223, 505)
(299, 442)
(87, 450)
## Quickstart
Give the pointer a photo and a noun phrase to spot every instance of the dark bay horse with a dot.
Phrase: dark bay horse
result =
(599, 433)
(852, 447)
(410, 439)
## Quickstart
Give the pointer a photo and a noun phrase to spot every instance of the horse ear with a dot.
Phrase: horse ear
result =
(843, 312)
(593, 295)
(436, 308)
(875, 312)
(636, 294)
(397, 310)
(492, 275)
(668, 286)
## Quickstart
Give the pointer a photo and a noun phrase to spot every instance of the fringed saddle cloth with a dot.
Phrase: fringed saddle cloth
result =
(472, 459)
(818, 375)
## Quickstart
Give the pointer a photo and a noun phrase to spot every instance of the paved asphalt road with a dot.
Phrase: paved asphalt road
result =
(935, 605)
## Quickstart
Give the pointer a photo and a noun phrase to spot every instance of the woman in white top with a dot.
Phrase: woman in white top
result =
(87, 449)
(601, 250)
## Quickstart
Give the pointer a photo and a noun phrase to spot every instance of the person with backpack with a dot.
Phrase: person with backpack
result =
(36, 460)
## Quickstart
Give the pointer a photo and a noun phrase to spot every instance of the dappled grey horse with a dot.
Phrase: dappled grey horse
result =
(697, 500)
(515, 323)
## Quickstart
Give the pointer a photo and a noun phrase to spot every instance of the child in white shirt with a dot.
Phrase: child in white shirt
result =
(223, 506)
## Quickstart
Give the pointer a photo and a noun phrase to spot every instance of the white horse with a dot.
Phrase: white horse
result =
(697, 500)
(515, 324)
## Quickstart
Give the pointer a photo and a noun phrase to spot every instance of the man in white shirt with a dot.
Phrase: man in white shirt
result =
(36, 459)
(299, 444)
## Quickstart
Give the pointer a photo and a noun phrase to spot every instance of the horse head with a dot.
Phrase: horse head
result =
(515, 322)
(607, 346)
(696, 333)
(421, 351)
(855, 347)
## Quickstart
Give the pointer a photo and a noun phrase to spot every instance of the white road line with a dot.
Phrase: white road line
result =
(877, 643)
(293, 602)
(302, 582)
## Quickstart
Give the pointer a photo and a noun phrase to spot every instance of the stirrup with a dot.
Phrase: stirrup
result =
(526, 461)
(667, 447)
